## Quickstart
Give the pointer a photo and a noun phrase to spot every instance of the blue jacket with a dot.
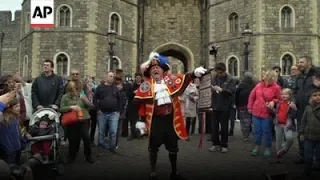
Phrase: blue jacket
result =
(11, 138)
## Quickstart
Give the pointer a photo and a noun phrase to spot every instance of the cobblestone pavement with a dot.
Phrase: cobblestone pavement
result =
(194, 163)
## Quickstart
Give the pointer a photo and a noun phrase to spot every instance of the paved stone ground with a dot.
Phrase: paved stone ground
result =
(194, 163)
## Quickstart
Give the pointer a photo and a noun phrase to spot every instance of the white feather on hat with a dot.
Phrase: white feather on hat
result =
(145, 65)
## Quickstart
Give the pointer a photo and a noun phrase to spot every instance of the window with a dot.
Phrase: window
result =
(64, 16)
(25, 66)
(116, 63)
(233, 69)
(286, 17)
(233, 22)
(115, 22)
(62, 62)
(286, 62)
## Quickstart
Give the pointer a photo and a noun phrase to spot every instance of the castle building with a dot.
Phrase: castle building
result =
(184, 30)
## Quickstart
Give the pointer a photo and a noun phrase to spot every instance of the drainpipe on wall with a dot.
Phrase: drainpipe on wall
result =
(141, 5)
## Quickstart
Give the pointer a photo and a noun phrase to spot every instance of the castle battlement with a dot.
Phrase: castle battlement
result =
(6, 17)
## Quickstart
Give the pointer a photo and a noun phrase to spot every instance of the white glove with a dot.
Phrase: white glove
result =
(199, 71)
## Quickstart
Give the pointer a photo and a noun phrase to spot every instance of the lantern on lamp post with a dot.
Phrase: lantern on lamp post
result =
(247, 33)
(111, 41)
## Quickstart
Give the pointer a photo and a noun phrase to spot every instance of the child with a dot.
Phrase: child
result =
(285, 113)
(42, 128)
(309, 132)
(11, 137)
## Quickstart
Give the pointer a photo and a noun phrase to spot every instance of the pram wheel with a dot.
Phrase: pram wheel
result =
(59, 169)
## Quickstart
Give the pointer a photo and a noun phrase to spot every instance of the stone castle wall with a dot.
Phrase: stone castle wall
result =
(10, 45)
(176, 21)
(269, 42)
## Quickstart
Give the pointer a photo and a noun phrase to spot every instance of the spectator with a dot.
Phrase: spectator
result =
(281, 82)
(123, 107)
(233, 109)
(190, 98)
(309, 132)
(132, 113)
(242, 96)
(88, 92)
(262, 98)
(11, 137)
(107, 101)
(304, 88)
(72, 101)
(222, 86)
(47, 89)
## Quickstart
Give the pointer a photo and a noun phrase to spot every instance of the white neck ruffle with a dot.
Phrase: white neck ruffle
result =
(162, 94)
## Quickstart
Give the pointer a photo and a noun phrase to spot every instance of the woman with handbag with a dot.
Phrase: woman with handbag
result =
(75, 117)
(261, 100)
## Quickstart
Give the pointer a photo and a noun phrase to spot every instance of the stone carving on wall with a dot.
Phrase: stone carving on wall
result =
(171, 23)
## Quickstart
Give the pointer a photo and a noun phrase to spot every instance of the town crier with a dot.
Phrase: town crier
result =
(158, 97)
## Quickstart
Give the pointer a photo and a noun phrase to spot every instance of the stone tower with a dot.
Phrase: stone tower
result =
(172, 28)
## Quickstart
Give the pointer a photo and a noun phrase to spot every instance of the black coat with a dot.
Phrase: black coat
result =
(47, 90)
(243, 92)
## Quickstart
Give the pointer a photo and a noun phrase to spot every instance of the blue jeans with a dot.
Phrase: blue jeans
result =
(108, 121)
(262, 128)
(311, 149)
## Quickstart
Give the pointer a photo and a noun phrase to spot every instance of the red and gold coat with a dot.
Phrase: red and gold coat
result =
(176, 85)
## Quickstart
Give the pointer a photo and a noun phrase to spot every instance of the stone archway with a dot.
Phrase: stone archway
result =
(178, 51)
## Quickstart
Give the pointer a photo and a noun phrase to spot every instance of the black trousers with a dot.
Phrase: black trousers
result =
(190, 124)
(76, 133)
(162, 132)
(222, 118)
(93, 126)
(232, 118)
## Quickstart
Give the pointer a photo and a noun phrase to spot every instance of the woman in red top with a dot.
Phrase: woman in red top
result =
(262, 98)
(285, 114)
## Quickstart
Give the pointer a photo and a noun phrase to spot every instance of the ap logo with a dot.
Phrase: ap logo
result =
(42, 13)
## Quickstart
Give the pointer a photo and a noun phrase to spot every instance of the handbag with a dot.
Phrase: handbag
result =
(69, 118)
(271, 111)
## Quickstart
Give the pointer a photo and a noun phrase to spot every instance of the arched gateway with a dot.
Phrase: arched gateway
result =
(177, 51)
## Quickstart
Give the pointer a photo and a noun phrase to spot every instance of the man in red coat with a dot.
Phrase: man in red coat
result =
(160, 105)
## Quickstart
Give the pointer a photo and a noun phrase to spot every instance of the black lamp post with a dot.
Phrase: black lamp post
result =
(247, 33)
(1, 47)
(111, 41)
(214, 51)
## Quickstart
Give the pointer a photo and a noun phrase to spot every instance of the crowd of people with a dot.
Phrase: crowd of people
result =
(271, 109)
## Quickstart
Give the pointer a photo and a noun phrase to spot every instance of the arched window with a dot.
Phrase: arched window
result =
(115, 22)
(25, 66)
(64, 16)
(233, 22)
(286, 17)
(286, 63)
(62, 64)
(233, 66)
(117, 64)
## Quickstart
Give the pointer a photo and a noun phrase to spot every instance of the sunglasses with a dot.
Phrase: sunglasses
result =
(75, 74)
